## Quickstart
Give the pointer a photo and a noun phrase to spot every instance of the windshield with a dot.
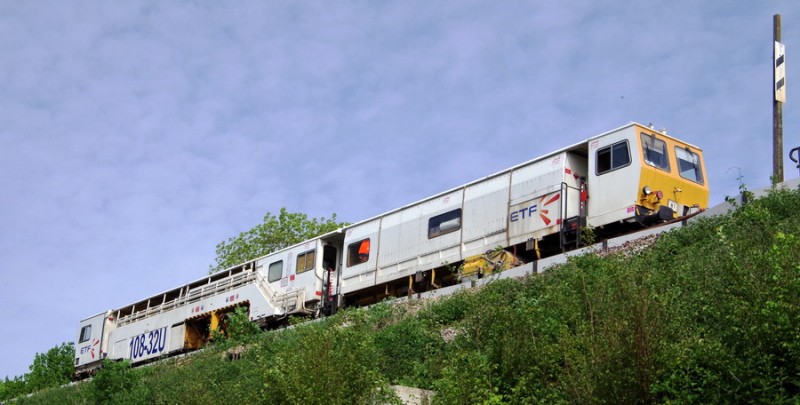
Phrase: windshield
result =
(689, 164)
(655, 152)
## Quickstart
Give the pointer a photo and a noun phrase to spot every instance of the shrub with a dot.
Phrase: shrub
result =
(117, 383)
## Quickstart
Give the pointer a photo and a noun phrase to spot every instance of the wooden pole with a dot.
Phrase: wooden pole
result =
(777, 115)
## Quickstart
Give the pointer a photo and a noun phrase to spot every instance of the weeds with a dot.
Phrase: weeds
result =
(708, 314)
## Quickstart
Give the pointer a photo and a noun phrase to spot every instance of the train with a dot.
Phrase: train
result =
(629, 177)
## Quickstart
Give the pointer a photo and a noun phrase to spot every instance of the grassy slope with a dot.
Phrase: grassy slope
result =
(710, 314)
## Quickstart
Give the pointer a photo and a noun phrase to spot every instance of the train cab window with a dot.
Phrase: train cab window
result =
(689, 164)
(86, 333)
(358, 252)
(444, 223)
(275, 271)
(305, 261)
(613, 157)
(655, 152)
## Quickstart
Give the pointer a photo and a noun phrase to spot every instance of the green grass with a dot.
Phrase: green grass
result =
(709, 314)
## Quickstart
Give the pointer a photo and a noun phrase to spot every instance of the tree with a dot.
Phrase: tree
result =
(12, 388)
(238, 324)
(51, 369)
(275, 233)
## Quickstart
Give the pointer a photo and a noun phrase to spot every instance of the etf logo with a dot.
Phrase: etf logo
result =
(90, 348)
(517, 215)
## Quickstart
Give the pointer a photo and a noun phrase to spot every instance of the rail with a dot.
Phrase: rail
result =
(565, 228)
(282, 302)
(194, 295)
(286, 302)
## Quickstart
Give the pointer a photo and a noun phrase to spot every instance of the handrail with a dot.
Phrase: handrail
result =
(194, 295)
(280, 300)
(277, 300)
(562, 229)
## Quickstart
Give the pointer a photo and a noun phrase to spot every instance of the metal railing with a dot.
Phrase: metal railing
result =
(292, 301)
(285, 302)
(194, 295)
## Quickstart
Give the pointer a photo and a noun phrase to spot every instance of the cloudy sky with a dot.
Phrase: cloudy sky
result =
(136, 135)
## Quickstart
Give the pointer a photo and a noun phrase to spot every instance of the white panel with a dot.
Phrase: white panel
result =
(90, 351)
(440, 257)
(400, 236)
(537, 179)
(405, 247)
(311, 283)
(149, 344)
(361, 275)
(120, 350)
(436, 207)
(177, 334)
(482, 244)
(611, 193)
(536, 200)
(485, 215)
(612, 216)
(358, 281)
(536, 217)
(780, 72)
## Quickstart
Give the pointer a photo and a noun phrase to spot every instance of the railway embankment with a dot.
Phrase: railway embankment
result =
(707, 313)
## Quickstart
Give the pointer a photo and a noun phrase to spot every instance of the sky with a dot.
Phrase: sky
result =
(136, 135)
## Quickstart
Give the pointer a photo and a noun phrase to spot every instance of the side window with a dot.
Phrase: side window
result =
(305, 261)
(86, 333)
(613, 157)
(275, 271)
(689, 164)
(444, 223)
(655, 152)
(358, 252)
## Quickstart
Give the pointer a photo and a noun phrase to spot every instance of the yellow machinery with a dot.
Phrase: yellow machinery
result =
(488, 263)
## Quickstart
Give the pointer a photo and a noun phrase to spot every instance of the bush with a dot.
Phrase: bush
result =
(333, 362)
(117, 383)
(408, 351)
(709, 314)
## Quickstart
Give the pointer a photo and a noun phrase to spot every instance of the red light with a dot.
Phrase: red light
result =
(659, 194)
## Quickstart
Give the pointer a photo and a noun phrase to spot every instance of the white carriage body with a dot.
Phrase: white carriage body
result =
(647, 159)
(613, 193)
(525, 203)
(93, 337)
(163, 324)
(511, 208)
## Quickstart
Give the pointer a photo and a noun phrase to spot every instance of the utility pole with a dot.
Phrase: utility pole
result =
(779, 92)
